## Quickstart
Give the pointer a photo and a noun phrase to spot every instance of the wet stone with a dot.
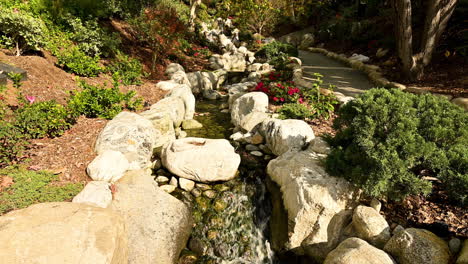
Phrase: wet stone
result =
(203, 186)
(196, 192)
(210, 194)
(256, 153)
(250, 147)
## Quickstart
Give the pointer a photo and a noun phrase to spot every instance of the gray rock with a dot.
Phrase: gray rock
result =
(371, 226)
(376, 204)
(71, 233)
(185, 93)
(182, 157)
(463, 257)
(174, 107)
(109, 166)
(455, 245)
(418, 246)
(96, 193)
(357, 251)
(398, 229)
(173, 68)
(284, 135)
(155, 220)
(257, 153)
(248, 104)
(319, 145)
(163, 124)
(130, 134)
(250, 147)
(315, 201)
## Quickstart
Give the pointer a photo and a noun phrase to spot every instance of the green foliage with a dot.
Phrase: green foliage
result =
(12, 143)
(20, 30)
(96, 101)
(388, 140)
(42, 119)
(76, 61)
(126, 69)
(277, 51)
(295, 111)
(92, 39)
(31, 187)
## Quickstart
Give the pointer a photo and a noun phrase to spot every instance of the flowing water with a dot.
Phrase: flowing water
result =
(231, 218)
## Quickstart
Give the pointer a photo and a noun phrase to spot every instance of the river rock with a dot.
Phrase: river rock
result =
(250, 121)
(418, 246)
(162, 179)
(163, 125)
(462, 102)
(237, 90)
(185, 93)
(169, 188)
(247, 104)
(191, 124)
(284, 135)
(180, 77)
(256, 153)
(250, 147)
(320, 146)
(371, 226)
(174, 107)
(220, 162)
(173, 68)
(167, 85)
(156, 220)
(108, 166)
(319, 206)
(174, 182)
(132, 135)
(186, 185)
(95, 193)
(357, 251)
(71, 233)
(463, 257)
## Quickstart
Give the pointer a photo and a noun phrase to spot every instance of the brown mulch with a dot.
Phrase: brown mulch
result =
(69, 154)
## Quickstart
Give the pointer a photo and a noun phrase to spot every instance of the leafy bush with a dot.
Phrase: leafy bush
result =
(76, 61)
(126, 69)
(388, 140)
(42, 119)
(20, 30)
(277, 49)
(32, 187)
(12, 143)
(95, 101)
(91, 38)
(294, 111)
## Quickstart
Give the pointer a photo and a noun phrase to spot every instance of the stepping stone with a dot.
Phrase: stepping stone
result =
(6, 69)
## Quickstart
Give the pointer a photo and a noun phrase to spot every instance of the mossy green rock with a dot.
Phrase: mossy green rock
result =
(191, 124)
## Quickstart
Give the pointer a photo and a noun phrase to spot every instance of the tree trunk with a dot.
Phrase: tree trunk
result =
(193, 14)
(437, 16)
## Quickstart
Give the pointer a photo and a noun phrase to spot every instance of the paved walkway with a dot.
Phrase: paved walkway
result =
(348, 81)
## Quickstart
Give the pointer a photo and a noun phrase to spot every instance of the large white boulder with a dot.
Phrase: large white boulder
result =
(71, 233)
(237, 90)
(167, 85)
(357, 251)
(318, 205)
(284, 135)
(173, 68)
(202, 160)
(130, 134)
(95, 193)
(247, 104)
(108, 166)
(414, 245)
(172, 106)
(371, 226)
(184, 92)
(158, 224)
(162, 123)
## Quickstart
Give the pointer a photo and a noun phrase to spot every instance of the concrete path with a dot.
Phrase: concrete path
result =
(348, 81)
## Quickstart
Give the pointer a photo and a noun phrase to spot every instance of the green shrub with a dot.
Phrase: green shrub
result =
(96, 101)
(294, 111)
(126, 69)
(387, 140)
(12, 143)
(76, 61)
(32, 187)
(20, 30)
(42, 119)
(277, 49)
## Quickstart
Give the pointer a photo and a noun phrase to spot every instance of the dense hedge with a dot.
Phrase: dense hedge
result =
(389, 140)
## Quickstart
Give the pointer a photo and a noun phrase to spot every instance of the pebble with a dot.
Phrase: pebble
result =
(455, 245)
(398, 229)
(186, 185)
(376, 204)
(162, 179)
(250, 147)
(168, 188)
(174, 182)
(203, 186)
(209, 194)
(196, 192)
(256, 153)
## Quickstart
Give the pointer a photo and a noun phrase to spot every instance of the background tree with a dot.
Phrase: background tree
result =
(437, 15)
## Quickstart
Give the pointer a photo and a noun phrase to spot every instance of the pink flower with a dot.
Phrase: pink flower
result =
(196, 54)
(30, 99)
(301, 100)
(275, 99)
(282, 99)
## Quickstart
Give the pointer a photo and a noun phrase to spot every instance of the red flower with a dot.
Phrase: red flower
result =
(282, 99)
(301, 100)
(275, 99)
(196, 54)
